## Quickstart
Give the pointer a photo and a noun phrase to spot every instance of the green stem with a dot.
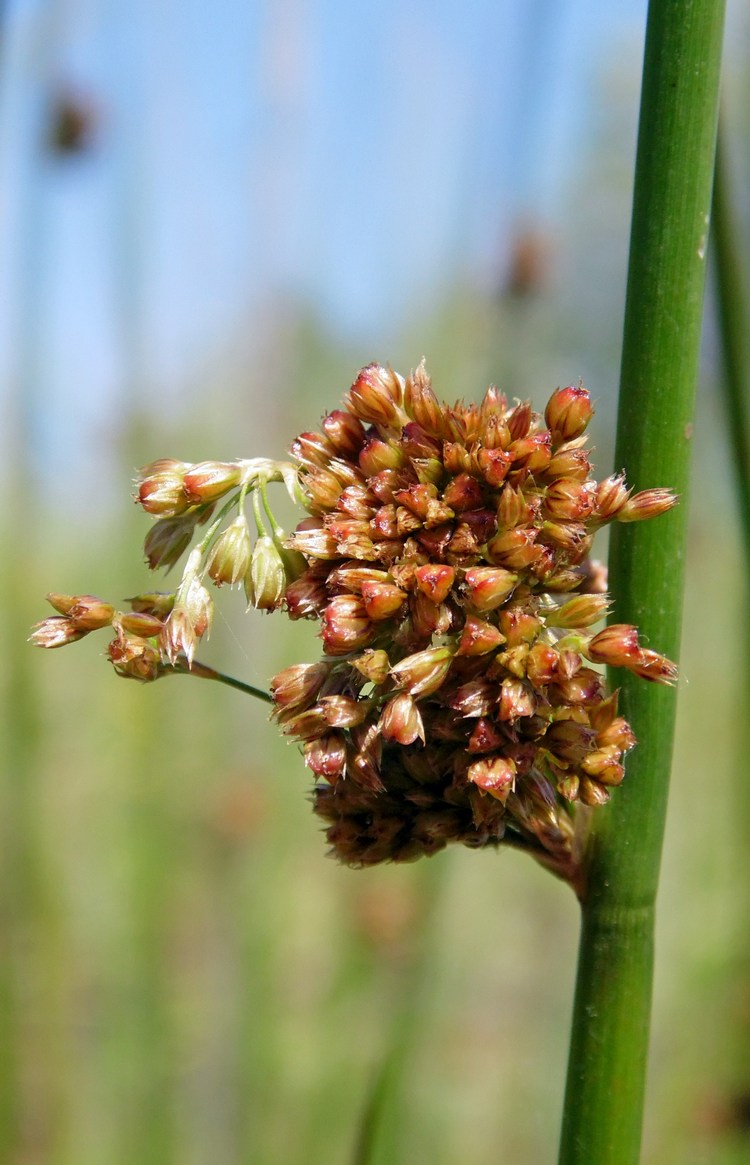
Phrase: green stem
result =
(609, 1044)
(183, 668)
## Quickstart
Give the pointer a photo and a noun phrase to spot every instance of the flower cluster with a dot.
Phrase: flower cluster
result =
(446, 558)
(161, 631)
(448, 564)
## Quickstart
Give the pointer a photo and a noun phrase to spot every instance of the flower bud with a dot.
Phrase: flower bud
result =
(376, 395)
(312, 450)
(267, 575)
(422, 674)
(160, 488)
(478, 637)
(516, 700)
(381, 599)
(141, 624)
(188, 622)
(230, 554)
(344, 711)
(346, 626)
(568, 500)
(569, 461)
(345, 432)
(489, 586)
(373, 665)
(615, 646)
(326, 756)
(208, 480)
(611, 495)
(514, 549)
(313, 540)
(568, 412)
(401, 720)
(421, 403)
(580, 611)
(56, 631)
(494, 465)
(494, 775)
(157, 603)
(378, 455)
(167, 540)
(134, 658)
(323, 489)
(435, 581)
(485, 737)
(88, 612)
(298, 686)
(647, 504)
(657, 668)
(518, 626)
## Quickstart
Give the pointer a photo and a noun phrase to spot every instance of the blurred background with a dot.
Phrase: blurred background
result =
(210, 217)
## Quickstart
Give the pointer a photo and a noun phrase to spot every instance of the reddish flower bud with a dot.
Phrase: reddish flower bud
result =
(518, 626)
(489, 586)
(422, 674)
(435, 580)
(381, 599)
(306, 597)
(494, 775)
(134, 658)
(313, 540)
(463, 493)
(421, 403)
(456, 458)
(516, 700)
(568, 500)
(343, 711)
(157, 603)
(88, 612)
(615, 646)
(313, 450)
(542, 665)
(532, 453)
(323, 489)
(478, 637)
(568, 412)
(485, 737)
(298, 686)
(160, 487)
(519, 421)
(514, 508)
(657, 668)
(209, 480)
(345, 432)
(611, 495)
(569, 461)
(357, 502)
(401, 720)
(376, 396)
(514, 549)
(494, 465)
(378, 455)
(647, 504)
(326, 756)
(346, 626)
(167, 540)
(592, 793)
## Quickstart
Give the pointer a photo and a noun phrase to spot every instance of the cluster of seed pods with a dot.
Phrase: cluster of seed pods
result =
(448, 564)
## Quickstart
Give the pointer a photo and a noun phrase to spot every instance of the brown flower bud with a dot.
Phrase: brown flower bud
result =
(568, 412)
(514, 508)
(519, 420)
(423, 673)
(489, 586)
(542, 665)
(343, 711)
(401, 720)
(494, 465)
(134, 658)
(518, 626)
(323, 489)
(88, 612)
(378, 455)
(463, 493)
(313, 540)
(188, 622)
(615, 646)
(485, 737)
(456, 458)
(357, 502)
(592, 793)
(570, 461)
(532, 453)
(657, 668)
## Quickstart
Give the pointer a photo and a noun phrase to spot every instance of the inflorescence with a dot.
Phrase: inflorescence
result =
(447, 560)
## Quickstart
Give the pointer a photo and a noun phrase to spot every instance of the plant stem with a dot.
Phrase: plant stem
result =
(202, 670)
(609, 1045)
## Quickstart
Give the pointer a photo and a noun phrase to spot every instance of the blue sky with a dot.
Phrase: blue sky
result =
(359, 157)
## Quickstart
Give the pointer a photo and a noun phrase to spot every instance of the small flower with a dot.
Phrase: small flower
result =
(568, 412)
(267, 575)
(57, 631)
(422, 674)
(229, 559)
(209, 480)
(650, 503)
(160, 488)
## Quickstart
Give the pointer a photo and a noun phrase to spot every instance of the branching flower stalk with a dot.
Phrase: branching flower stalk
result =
(446, 558)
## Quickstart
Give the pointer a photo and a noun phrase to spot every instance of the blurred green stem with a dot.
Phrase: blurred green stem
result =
(609, 1044)
(733, 314)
